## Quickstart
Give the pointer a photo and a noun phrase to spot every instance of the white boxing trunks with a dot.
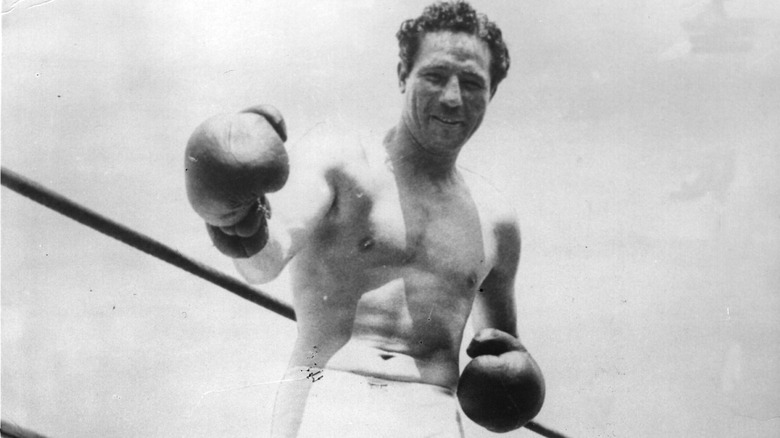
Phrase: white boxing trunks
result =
(314, 402)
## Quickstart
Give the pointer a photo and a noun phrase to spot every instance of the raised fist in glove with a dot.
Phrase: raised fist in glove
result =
(231, 162)
(502, 388)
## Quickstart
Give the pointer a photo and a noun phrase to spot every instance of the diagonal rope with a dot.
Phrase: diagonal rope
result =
(9, 429)
(102, 224)
(79, 213)
(543, 430)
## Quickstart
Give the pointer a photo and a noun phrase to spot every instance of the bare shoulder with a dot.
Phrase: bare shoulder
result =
(493, 203)
(502, 233)
(310, 190)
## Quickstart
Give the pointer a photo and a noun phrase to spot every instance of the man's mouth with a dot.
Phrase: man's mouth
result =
(447, 121)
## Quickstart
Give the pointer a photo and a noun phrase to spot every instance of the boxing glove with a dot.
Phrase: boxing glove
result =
(231, 162)
(502, 387)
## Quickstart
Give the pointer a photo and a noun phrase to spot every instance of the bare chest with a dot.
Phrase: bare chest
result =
(379, 224)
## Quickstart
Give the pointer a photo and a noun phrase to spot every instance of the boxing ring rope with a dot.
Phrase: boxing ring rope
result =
(79, 213)
(11, 430)
(111, 228)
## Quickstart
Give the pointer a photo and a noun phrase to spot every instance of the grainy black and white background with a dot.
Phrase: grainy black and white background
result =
(646, 174)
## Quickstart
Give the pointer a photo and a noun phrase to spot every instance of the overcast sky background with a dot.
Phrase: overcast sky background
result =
(646, 177)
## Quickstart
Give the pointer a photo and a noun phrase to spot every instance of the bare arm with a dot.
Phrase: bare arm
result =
(501, 372)
(295, 210)
(494, 305)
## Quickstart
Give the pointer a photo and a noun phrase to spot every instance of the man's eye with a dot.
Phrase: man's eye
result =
(436, 78)
(472, 85)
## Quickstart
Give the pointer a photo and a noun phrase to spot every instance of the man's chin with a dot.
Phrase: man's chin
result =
(445, 145)
(450, 134)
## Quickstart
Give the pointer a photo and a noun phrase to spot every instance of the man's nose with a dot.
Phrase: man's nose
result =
(451, 94)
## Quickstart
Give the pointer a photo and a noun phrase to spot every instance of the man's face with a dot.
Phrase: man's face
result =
(447, 91)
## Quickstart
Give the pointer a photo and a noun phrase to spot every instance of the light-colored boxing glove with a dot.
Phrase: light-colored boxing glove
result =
(502, 388)
(231, 162)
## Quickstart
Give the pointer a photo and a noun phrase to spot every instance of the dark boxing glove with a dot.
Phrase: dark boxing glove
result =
(231, 161)
(502, 388)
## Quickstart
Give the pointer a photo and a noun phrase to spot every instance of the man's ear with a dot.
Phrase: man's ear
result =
(402, 75)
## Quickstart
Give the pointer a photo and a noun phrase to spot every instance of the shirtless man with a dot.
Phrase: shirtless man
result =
(390, 245)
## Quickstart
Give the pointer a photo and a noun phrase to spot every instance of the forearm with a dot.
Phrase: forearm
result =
(267, 264)
(495, 306)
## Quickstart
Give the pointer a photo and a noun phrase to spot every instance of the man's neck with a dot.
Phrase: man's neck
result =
(408, 157)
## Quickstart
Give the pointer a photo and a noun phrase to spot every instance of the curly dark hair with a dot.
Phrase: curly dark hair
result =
(454, 16)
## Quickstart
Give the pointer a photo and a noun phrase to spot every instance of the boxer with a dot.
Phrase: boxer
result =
(390, 245)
